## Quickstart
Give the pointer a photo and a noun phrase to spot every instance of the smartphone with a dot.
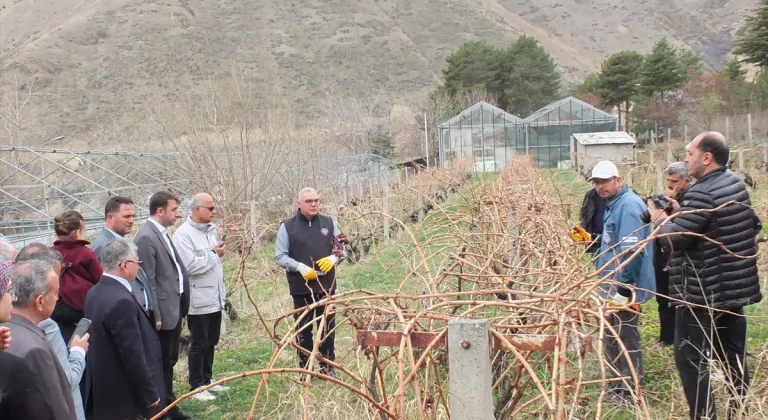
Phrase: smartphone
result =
(223, 237)
(80, 330)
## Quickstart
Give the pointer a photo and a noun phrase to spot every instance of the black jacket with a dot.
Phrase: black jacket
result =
(702, 272)
(125, 372)
(591, 217)
(20, 397)
(309, 241)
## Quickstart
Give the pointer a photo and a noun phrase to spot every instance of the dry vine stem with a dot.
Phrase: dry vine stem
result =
(497, 250)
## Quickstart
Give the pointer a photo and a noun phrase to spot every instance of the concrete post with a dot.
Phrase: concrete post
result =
(727, 128)
(254, 222)
(628, 175)
(660, 180)
(685, 135)
(741, 159)
(385, 210)
(749, 127)
(469, 369)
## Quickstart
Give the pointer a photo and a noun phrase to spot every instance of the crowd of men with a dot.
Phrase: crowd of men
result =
(696, 251)
(135, 295)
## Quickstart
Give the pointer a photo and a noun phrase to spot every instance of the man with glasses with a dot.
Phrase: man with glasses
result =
(305, 249)
(125, 364)
(200, 249)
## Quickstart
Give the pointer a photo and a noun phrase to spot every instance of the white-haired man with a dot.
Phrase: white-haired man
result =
(200, 249)
(36, 290)
(305, 249)
(125, 377)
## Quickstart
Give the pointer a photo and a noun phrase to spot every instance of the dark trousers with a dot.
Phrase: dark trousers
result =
(666, 313)
(305, 339)
(66, 317)
(702, 336)
(626, 324)
(169, 346)
(204, 331)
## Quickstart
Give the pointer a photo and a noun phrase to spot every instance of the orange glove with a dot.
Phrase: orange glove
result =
(578, 234)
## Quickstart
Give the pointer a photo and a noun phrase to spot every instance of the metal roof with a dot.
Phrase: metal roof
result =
(482, 113)
(608, 137)
(570, 109)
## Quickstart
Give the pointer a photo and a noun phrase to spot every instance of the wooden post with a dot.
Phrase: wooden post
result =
(669, 135)
(727, 128)
(628, 176)
(660, 180)
(385, 210)
(765, 157)
(650, 158)
(749, 127)
(254, 222)
(420, 206)
(469, 373)
(741, 159)
(670, 158)
(653, 137)
(685, 134)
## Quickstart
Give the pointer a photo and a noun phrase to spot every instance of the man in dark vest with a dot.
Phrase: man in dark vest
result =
(305, 249)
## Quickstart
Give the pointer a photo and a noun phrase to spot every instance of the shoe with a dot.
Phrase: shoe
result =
(204, 396)
(219, 388)
(177, 415)
(328, 372)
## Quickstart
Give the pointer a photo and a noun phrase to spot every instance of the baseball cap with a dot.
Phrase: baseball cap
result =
(605, 169)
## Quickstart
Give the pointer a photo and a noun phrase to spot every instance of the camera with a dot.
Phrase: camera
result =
(660, 202)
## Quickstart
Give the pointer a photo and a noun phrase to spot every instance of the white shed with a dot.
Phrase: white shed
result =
(589, 148)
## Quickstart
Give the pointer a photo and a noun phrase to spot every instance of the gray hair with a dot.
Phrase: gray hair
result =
(677, 168)
(39, 252)
(305, 190)
(115, 252)
(6, 250)
(30, 280)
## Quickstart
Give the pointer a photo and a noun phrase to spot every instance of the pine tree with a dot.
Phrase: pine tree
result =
(618, 78)
(661, 71)
(753, 44)
(528, 77)
(473, 64)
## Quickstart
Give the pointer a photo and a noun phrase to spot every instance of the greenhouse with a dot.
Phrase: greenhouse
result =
(490, 135)
(494, 137)
(549, 129)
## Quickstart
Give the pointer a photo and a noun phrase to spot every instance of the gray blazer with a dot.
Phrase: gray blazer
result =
(157, 261)
(141, 285)
(29, 343)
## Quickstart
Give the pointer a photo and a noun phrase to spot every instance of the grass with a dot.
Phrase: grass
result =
(246, 346)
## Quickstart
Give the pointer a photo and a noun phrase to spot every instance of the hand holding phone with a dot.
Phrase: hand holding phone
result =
(82, 327)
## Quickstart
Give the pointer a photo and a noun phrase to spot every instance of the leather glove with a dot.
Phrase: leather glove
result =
(306, 272)
(327, 263)
(578, 234)
(618, 301)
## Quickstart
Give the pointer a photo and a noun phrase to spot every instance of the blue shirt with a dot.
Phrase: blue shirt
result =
(623, 229)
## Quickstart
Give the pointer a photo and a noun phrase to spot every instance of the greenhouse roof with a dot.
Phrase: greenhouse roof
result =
(480, 114)
(609, 137)
(568, 110)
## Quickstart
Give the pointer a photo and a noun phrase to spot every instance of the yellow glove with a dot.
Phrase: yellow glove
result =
(618, 301)
(307, 273)
(578, 234)
(326, 264)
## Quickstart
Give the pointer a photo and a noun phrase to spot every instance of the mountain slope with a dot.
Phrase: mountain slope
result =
(107, 63)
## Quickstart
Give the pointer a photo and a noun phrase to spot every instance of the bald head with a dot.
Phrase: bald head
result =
(7, 251)
(203, 208)
(707, 152)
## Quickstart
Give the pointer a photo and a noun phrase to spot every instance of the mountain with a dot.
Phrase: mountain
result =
(98, 66)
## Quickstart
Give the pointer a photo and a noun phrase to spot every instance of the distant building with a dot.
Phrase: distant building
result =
(589, 148)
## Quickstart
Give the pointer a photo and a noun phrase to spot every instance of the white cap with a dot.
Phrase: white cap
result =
(605, 169)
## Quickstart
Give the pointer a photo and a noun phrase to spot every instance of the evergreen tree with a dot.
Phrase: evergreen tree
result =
(661, 71)
(473, 64)
(618, 79)
(760, 89)
(528, 77)
(753, 44)
(383, 145)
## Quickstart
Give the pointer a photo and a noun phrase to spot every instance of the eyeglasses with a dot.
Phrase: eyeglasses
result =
(134, 261)
(207, 208)
(315, 201)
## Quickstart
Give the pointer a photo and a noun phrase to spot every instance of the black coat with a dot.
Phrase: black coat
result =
(701, 271)
(125, 373)
(591, 218)
(20, 397)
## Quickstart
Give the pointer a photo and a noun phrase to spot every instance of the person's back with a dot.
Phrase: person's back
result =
(71, 360)
(20, 397)
(703, 272)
